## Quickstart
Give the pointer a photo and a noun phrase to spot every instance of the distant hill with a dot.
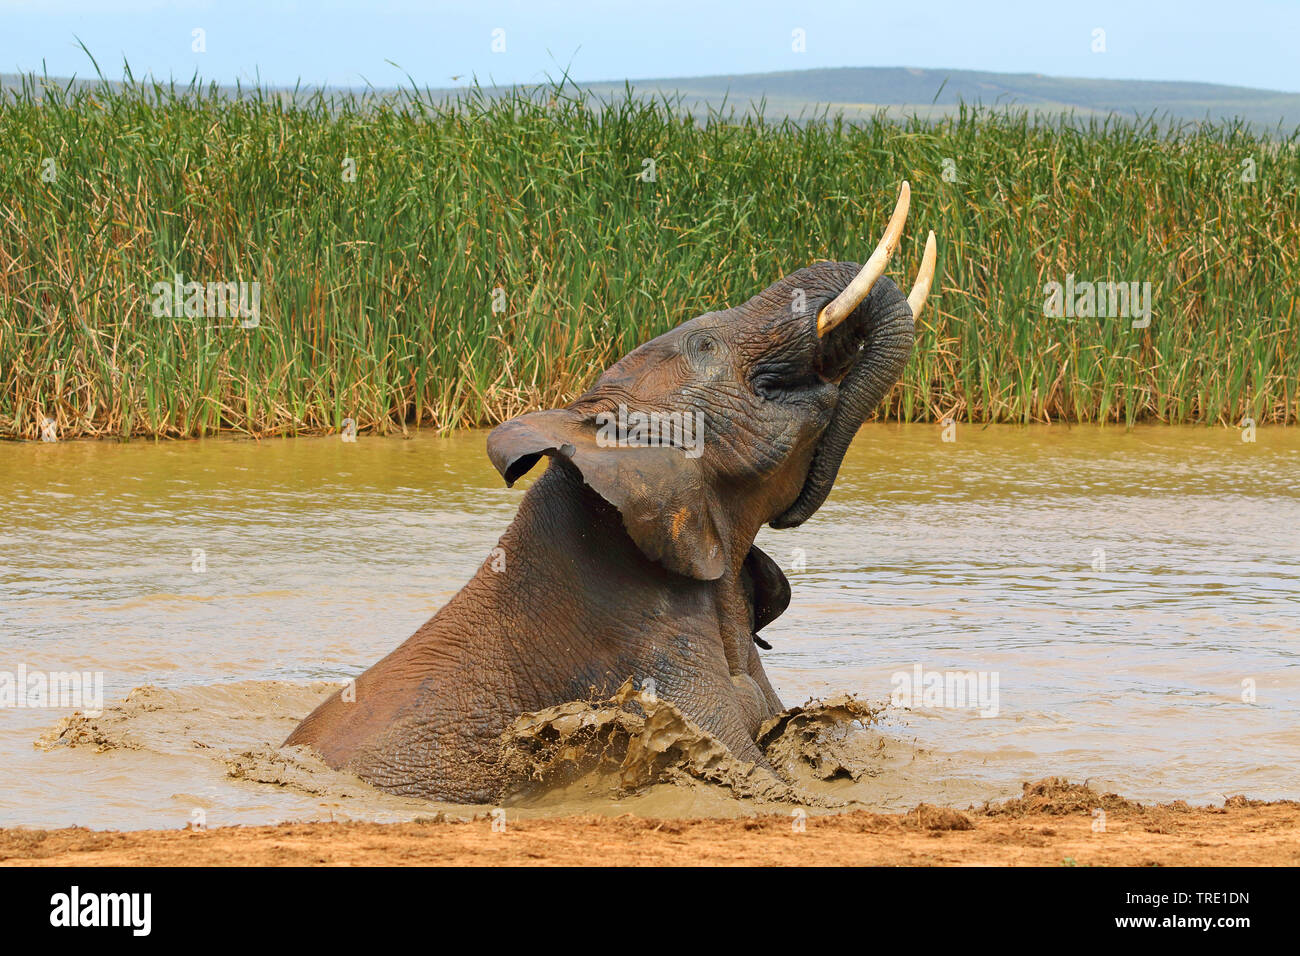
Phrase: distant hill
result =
(858, 92)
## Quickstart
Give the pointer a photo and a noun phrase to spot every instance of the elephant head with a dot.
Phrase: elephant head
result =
(738, 417)
(633, 554)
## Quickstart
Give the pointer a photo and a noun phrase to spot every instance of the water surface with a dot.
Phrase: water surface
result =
(1125, 587)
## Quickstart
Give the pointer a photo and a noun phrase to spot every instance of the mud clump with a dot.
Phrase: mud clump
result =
(815, 738)
(1056, 796)
(927, 817)
(110, 729)
(633, 741)
(298, 768)
(79, 730)
(627, 743)
(25, 844)
(175, 721)
(1240, 800)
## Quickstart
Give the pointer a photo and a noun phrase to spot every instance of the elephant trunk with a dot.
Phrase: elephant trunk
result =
(883, 326)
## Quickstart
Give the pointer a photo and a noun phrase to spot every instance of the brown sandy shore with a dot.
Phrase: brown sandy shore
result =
(1052, 825)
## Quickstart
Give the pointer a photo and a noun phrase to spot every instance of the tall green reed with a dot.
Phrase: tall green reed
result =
(378, 290)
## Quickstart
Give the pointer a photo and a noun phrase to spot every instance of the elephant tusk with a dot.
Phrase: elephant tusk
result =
(924, 277)
(842, 306)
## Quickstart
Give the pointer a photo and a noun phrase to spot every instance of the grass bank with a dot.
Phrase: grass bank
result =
(453, 264)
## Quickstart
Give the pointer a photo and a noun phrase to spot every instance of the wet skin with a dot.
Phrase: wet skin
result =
(633, 560)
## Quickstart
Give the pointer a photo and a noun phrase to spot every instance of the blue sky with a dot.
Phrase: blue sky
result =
(347, 42)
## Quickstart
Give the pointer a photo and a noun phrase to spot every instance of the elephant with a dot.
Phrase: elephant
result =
(632, 555)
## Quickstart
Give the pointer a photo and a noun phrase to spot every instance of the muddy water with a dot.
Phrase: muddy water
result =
(1125, 588)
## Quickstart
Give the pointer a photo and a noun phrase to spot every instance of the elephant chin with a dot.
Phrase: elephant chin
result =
(884, 326)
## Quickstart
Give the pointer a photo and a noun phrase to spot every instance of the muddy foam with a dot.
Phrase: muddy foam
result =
(634, 741)
(632, 752)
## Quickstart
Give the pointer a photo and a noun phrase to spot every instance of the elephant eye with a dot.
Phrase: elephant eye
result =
(703, 350)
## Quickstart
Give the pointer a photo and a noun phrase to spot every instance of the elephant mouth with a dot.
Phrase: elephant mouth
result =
(866, 334)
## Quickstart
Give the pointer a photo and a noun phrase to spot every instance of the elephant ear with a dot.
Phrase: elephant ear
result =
(666, 504)
(767, 590)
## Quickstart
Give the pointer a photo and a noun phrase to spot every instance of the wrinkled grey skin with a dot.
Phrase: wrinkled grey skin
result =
(634, 561)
